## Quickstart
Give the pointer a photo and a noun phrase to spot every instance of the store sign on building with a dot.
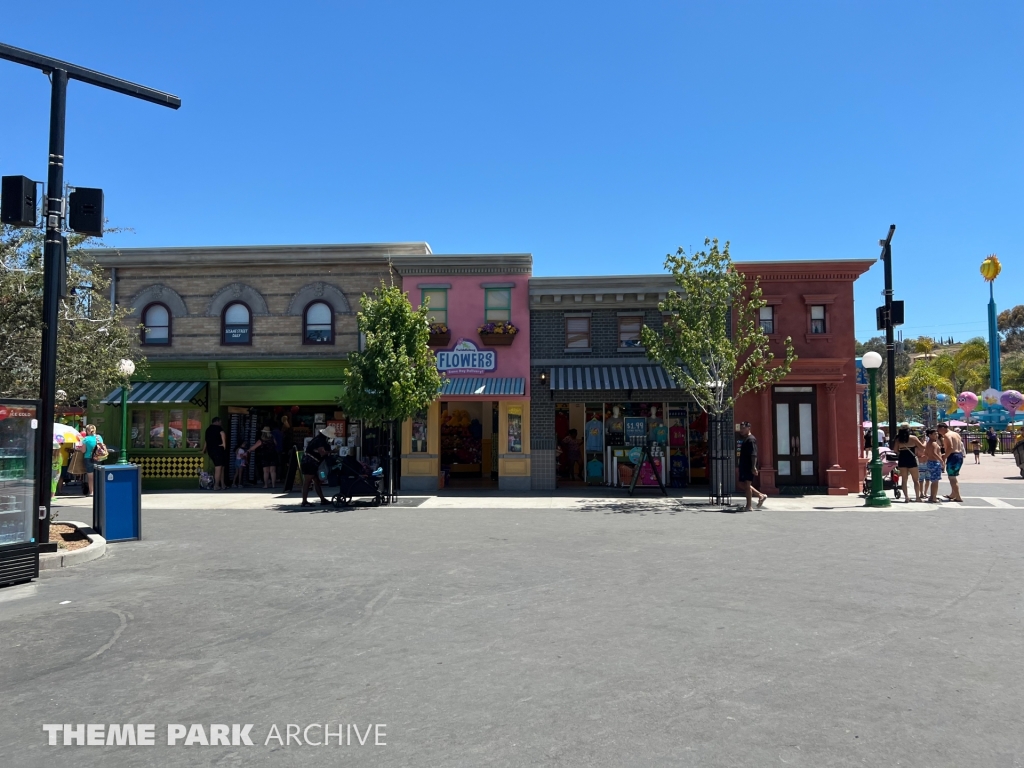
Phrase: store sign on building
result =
(236, 334)
(465, 357)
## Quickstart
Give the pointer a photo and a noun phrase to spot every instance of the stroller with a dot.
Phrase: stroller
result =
(890, 473)
(351, 478)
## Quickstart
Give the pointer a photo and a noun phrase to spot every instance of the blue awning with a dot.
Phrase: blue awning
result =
(483, 385)
(635, 377)
(156, 392)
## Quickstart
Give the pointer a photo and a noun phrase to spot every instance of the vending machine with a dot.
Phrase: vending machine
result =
(19, 430)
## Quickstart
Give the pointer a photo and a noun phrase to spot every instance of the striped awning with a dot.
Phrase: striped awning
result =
(153, 392)
(634, 377)
(483, 385)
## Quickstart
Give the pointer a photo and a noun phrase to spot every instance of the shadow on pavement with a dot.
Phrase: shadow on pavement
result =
(653, 507)
(358, 503)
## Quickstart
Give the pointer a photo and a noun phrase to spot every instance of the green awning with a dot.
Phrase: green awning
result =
(263, 393)
(159, 392)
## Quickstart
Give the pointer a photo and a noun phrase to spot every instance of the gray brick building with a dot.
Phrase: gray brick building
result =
(587, 366)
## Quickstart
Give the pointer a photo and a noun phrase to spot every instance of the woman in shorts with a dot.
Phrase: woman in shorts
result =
(89, 443)
(906, 460)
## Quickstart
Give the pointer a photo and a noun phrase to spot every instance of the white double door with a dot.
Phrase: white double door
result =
(795, 426)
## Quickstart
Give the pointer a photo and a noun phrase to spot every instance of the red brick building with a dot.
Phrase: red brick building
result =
(808, 425)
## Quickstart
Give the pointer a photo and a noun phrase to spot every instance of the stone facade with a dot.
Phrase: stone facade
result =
(276, 283)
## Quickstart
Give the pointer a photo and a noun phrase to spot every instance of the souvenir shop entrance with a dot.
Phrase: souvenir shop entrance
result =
(600, 443)
(291, 427)
(466, 444)
(469, 443)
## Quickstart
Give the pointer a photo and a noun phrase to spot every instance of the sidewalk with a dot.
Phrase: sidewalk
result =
(1000, 469)
(80, 507)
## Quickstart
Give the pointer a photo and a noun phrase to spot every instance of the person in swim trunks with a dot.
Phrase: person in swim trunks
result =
(954, 460)
(932, 472)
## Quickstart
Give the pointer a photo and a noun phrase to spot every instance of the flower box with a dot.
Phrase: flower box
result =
(440, 339)
(497, 339)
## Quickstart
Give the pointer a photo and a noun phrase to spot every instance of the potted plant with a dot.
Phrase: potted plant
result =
(440, 335)
(499, 334)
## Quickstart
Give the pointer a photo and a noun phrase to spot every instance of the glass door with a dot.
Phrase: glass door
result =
(795, 424)
(18, 433)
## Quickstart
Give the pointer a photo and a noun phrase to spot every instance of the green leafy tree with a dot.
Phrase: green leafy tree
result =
(965, 369)
(712, 342)
(903, 360)
(395, 376)
(1011, 327)
(91, 337)
(924, 346)
(914, 389)
(1013, 371)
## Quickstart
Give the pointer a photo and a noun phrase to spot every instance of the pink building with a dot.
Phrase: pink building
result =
(477, 433)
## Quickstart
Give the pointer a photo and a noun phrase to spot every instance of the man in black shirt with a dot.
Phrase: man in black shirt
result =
(748, 467)
(215, 445)
(316, 451)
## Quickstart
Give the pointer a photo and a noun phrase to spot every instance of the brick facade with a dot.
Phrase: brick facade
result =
(277, 333)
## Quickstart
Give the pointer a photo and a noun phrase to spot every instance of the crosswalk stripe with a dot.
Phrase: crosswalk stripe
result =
(997, 502)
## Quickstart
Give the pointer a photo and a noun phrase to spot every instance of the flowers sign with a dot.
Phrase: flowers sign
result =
(466, 357)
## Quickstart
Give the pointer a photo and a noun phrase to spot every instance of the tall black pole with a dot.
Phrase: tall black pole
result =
(52, 253)
(59, 72)
(890, 341)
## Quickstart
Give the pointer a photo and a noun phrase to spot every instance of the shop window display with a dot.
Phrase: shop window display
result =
(612, 436)
(515, 429)
(138, 436)
(593, 438)
(419, 432)
(175, 428)
(182, 429)
(156, 429)
(679, 447)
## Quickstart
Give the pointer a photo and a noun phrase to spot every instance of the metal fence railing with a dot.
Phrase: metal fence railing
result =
(1004, 440)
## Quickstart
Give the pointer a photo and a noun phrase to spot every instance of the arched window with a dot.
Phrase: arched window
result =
(237, 323)
(156, 324)
(318, 324)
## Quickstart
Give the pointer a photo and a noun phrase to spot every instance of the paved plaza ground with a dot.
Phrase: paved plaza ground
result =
(525, 631)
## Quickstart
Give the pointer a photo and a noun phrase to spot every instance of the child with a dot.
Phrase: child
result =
(976, 447)
(239, 479)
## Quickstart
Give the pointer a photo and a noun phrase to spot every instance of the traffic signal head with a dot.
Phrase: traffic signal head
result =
(18, 201)
(86, 211)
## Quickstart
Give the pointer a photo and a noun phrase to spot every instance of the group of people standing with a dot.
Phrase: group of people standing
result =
(924, 461)
(267, 450)
(268, 453)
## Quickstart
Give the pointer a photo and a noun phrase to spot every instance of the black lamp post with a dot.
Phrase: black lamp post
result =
(872, 361)
(59, 73)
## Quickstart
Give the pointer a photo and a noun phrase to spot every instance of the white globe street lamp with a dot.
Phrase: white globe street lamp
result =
(127, 368)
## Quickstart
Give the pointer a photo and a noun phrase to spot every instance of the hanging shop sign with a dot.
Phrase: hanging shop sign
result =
(636, 429)
(465, 357)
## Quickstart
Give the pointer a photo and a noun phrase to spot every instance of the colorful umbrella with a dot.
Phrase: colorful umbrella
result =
(62, 433)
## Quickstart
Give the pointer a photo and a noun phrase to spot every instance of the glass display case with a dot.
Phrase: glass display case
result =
(19, 430)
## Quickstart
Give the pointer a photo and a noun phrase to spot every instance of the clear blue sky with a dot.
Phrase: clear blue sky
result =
(597, 136)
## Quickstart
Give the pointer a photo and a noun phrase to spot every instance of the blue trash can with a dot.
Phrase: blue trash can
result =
(117, 502)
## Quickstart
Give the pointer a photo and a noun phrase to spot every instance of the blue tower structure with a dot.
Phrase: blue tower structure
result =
(995, 375)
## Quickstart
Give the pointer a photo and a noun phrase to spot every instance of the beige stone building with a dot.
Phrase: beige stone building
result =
(258, 335)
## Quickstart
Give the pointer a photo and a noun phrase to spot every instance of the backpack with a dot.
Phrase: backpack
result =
(99, 453)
